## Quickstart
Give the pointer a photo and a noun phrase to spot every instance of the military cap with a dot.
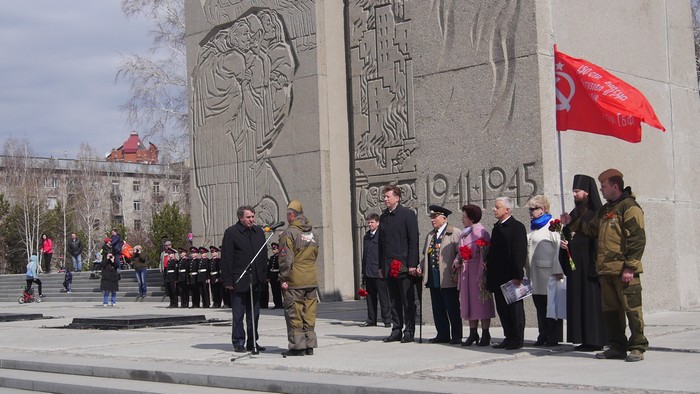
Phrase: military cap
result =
(607, 174)
(203, 250)
(194, 249)
(213, 249)
(438, 210)
(181, 250)
(295, 205)
(171, 250)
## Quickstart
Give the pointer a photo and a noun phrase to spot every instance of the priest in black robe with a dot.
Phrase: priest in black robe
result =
(583, 304)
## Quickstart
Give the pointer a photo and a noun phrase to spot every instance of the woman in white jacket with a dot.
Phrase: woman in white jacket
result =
(543, 264)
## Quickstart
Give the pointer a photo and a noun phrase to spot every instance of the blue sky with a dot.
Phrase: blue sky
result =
(58, 62)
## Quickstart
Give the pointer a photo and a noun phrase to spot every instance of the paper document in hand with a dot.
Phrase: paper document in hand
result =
(514, 293)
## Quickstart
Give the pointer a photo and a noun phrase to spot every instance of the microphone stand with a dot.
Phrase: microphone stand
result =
(252, 303)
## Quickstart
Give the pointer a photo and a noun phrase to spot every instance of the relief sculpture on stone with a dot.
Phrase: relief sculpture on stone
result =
(242, 93)
(382, 87)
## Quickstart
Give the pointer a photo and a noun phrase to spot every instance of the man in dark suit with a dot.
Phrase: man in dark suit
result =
(376, 287)
(240, 244)
(398, 263)
(505, 262)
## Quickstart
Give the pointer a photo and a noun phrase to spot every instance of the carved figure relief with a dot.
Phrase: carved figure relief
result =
(241, 95)
(384, 135)
(300, 26)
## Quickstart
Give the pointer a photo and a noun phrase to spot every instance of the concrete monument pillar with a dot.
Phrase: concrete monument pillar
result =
(267, 100)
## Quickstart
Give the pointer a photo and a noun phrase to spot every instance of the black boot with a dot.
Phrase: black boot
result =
(473, 337)
(485, 338)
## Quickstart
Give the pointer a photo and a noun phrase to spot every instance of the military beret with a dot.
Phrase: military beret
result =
(203, 250)
(438, 210)
(295, 205)
(214, 249)
(607, 174)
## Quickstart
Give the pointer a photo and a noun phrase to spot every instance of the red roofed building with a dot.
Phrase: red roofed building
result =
(133, 151)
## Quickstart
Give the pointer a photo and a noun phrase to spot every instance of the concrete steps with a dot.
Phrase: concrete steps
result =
(49, 382)
(84, 288)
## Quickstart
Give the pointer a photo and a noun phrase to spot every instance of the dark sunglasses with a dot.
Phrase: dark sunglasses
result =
(534, 209)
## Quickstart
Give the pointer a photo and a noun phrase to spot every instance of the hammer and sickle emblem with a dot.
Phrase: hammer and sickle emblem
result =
(564, 101)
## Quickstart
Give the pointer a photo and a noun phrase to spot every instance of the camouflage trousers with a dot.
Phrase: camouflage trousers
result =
(620, 300)
(300, 315)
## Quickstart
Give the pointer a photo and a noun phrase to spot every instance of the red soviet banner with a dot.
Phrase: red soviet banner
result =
(591, 99)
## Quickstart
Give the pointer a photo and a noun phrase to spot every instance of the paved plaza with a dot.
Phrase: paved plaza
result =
(45, 355)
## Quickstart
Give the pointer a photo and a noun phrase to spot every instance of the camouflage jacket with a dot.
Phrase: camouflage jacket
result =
(619, 228)
(298, 253)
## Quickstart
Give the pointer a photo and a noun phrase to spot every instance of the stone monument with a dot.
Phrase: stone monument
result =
(454, 101)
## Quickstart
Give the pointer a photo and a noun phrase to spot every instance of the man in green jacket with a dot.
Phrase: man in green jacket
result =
(619, 228)
(297, 258)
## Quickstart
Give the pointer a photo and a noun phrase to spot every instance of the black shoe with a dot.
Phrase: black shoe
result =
(309, 351)
(587, 348)
(294, 352)
(552, 344)
(473, 338)
(485, 339)
(387, 325)
(239, 349)
(539, 343)
(439, 340)
(368, 324)
(407, 339)
(455, 341)
(513, 346)
(250, 348)
(501, 345)
(393, 339)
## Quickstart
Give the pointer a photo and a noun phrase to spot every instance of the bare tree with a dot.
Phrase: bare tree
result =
(158, 82)
(25, 182)
(91, 189)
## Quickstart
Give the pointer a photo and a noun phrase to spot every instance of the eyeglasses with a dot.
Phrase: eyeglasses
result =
(532, 209)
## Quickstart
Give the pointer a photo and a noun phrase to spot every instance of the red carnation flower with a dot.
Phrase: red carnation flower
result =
(482, 242)
(362, 293)
(465, 252)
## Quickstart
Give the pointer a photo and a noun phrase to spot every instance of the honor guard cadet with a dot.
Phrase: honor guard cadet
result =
(215, 277)
(203, 277)
(171, 272)
(193, 276)
(182, 278)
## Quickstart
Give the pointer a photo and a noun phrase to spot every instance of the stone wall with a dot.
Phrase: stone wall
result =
(452, 100)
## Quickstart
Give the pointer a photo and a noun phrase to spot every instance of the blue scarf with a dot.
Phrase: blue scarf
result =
(536, 224)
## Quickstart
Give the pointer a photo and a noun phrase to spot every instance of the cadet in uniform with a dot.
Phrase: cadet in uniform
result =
(193, 275)
(203, 277)
(215, 277)
(183, 271)
(171, 271)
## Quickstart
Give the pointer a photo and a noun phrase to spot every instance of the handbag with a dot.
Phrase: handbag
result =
(556, 298)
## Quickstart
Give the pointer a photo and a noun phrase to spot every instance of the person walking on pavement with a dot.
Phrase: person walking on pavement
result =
(75, 248)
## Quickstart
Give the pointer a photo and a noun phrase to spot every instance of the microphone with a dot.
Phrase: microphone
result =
(273, 227)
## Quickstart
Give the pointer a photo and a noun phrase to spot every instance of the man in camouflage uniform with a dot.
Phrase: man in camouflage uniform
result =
(619, 228)
(297, 257)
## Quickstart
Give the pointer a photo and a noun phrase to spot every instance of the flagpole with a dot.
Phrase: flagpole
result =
(561, 172)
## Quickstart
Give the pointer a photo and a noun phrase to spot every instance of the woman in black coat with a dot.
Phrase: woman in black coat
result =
(109, 282)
